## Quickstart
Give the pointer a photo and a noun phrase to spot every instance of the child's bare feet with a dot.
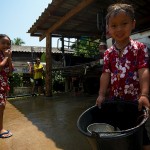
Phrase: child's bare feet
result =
(5, 134)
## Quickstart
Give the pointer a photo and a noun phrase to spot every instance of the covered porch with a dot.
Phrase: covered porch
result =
(74, 19)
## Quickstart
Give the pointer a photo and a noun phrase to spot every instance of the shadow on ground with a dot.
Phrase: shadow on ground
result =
(56, 117)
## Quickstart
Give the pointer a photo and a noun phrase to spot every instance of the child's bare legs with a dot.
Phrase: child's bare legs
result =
(146, 147)
(33, 89)
(39, 90)
(2, 130)
(2, 107)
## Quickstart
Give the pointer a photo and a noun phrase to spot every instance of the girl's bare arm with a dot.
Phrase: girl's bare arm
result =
(144, 79)
(3, 63)
(104, 83)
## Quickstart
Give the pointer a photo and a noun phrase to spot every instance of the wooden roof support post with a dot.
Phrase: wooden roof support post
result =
(63, 51)
(48, 78)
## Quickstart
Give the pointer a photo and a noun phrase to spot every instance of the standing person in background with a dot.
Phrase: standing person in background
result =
(5, 70)
(75, 82)
(38, 77)
(126, 63)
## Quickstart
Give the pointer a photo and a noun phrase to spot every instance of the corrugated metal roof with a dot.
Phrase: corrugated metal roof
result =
(16, 48)
(84, 22)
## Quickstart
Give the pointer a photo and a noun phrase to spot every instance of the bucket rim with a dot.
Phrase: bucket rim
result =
(122, 132)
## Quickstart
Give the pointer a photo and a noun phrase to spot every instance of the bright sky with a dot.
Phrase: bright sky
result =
(17, 16)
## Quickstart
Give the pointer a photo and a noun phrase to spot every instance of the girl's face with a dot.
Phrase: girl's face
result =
(4, 43)
(120, 27)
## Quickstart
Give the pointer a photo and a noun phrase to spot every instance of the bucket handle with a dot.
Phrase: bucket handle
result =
(145, 115)
(99, 134)
(112, 132)
(147, 111)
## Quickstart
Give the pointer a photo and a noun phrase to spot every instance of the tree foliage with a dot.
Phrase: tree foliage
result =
(85, 46)
(18, 41)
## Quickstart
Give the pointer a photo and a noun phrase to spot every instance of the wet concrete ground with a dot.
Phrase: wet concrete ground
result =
(46, 123)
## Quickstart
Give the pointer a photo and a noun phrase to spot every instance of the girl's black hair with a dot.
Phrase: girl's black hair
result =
(114, 9)
(4, 35)
(37, 58)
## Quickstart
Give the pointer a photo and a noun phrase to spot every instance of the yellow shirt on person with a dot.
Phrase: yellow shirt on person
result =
(38, 71)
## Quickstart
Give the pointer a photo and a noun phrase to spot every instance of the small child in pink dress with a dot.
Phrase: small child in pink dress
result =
(5, 69)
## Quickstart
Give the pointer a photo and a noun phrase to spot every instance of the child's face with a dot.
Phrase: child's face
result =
(120, 26)
(4, 43)
(37, 61)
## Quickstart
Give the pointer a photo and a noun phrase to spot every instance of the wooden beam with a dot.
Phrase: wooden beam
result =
(66, 17)
(79, 20)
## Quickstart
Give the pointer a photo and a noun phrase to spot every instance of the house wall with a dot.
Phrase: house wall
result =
(24, 56)
(142, 37)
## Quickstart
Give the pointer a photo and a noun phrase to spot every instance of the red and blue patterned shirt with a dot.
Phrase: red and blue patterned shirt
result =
(4, 87)
(124, 70)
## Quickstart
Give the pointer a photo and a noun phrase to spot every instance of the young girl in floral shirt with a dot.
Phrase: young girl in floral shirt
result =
(5, 69)
(125, 68)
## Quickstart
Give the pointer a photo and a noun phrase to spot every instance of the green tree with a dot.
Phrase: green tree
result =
(85, 46)
(18, 41)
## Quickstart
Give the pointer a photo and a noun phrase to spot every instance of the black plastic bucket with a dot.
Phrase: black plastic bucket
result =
(121, 114)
